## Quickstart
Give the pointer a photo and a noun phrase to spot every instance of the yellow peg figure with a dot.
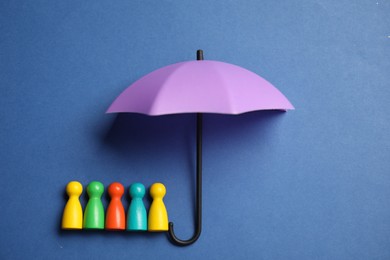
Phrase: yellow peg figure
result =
(158, 216)
(72, 217)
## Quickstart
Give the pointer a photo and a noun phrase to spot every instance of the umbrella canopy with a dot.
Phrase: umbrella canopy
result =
(200, 87)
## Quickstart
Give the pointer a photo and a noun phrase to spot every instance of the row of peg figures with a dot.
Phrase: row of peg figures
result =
(94, 217)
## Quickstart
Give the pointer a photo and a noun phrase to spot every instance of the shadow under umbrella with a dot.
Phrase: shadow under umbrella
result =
(134, 137)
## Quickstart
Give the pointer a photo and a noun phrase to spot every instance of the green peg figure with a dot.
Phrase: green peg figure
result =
(94, 211)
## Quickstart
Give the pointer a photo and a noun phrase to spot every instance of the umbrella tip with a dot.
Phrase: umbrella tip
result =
(199, 54)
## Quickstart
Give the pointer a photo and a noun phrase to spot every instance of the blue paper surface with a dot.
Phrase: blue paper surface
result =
(313, 183)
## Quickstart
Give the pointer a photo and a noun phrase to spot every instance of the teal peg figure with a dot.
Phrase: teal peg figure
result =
(136, 217)
(94, 211)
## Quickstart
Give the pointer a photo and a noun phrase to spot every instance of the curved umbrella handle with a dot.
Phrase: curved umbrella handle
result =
(198, 222)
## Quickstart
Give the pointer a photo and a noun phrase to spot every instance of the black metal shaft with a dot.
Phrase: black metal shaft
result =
(199, 173)
(198, 220)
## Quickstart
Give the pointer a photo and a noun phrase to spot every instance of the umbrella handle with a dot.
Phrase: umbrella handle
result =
(198, 222)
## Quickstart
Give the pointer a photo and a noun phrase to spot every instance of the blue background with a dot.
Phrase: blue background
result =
(313, 183)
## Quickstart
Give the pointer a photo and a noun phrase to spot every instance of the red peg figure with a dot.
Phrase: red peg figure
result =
(115, 216)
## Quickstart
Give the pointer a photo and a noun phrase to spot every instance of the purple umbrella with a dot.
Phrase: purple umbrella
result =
(201, 86)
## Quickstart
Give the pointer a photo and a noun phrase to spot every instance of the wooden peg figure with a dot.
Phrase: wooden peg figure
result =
(115, 216)
(72, 217)
(94, 211)
(158, 216)
(136, 216)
